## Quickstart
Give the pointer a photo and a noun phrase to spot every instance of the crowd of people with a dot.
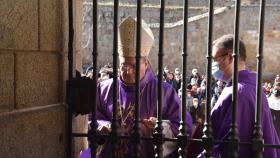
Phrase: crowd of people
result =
(105, 72)
(196, 88)
(196, 91)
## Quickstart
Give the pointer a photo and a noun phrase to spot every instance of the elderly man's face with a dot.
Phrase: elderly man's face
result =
(128, 69)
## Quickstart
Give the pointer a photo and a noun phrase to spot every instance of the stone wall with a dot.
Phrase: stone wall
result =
(32, 53)
(105, 28)
(192, 2)
(197, 34)
(223, 24)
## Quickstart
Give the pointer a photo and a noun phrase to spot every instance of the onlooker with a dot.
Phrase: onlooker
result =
(196, 111)
(171, 80)
(194, 90)
(274, 105)
(165, 72)
(177, 71)
(219, 86)
(195, 77)
(268, 89)
(277, 78)
(189, 100)
(104, 74)
(178, 82)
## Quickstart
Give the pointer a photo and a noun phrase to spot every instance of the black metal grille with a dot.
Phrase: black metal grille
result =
(158, 138)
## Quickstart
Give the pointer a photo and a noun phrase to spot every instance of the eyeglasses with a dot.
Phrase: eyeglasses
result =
(216, 58)
(127, 67)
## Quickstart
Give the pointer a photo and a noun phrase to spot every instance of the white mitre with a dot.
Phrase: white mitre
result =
(127, 38)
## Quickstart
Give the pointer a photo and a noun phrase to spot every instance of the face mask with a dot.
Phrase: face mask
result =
(216, 72)
(276, 92)
(195, 104)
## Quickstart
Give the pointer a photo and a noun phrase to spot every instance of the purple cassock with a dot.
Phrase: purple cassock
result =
(148, 98)
(221, 116)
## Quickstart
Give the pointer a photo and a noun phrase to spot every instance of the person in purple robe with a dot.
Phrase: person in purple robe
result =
(171, 108)
(221, 114)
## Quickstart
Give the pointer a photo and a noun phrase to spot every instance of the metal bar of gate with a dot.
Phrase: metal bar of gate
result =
(158, 136)
(114, 134)
(182, 136)
(207, 137)
(136, 133)
(233, 130)
(258, 135)
(70, 76)
(93, 130)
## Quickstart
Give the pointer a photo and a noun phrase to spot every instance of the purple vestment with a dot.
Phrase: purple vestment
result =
(171, 110)
(221, 116)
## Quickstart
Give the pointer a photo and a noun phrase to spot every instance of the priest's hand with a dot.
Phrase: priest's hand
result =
(105, 129)
(148, 126)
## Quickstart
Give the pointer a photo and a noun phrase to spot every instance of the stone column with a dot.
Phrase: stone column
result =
(79, 122)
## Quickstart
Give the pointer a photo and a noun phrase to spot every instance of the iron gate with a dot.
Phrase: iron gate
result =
(158, 138)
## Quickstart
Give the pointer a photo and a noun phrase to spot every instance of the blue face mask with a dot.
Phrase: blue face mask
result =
(216, 72)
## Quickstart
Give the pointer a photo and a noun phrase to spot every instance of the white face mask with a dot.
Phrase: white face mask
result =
(216, 72)
(195, 103)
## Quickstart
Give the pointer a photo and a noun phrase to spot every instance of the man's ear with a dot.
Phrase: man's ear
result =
(230, 58)
(230, 52)
(146, 63)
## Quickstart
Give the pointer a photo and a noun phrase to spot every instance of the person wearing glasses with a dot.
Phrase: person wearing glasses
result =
(221, 114)
(171, 108)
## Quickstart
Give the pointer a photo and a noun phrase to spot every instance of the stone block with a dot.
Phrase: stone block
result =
(78, 21)
(19, 24)
(33, 133)
(37, 79)
(6, 81)
(51, 34)
(65, 26)
(80, 125)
